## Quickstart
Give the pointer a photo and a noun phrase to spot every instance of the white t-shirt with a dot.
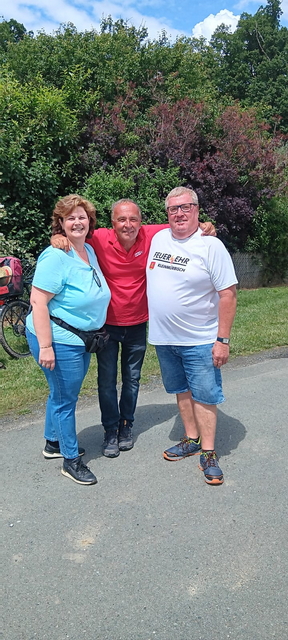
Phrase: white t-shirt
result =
(183, 277)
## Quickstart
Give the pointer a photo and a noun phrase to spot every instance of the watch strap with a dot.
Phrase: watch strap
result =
(223, 340)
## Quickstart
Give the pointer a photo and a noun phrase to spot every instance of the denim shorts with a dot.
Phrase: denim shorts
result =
(191, 369)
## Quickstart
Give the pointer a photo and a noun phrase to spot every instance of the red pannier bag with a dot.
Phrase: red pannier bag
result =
(11, 277)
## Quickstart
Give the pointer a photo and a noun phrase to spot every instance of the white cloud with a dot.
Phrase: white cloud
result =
(208, 26)
(284, 7)
(48, 14)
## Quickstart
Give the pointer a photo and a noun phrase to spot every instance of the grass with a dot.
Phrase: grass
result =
(261, 323)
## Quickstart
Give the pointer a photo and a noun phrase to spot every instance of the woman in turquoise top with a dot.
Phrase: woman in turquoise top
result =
(72, 287)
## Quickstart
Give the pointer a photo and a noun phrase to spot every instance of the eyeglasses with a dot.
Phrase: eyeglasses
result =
(96, 277)
(184, 207)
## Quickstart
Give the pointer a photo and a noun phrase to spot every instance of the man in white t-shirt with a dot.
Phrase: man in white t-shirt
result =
(192, 304)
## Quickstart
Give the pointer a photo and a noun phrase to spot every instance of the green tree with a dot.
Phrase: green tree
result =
(12, 247)
(253, 62)
(11, 31)
(38, 152)
(147, 185)
(106, 62)
(270, 239)
(114, 114)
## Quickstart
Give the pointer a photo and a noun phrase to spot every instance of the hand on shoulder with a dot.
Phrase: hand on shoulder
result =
(208, 229)
(60, 242)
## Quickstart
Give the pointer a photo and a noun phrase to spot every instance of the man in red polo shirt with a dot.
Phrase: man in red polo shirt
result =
(122, 255)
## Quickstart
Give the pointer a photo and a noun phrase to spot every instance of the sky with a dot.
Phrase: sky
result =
(177, 17)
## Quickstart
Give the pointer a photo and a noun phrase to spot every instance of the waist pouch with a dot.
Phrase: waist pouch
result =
(94, 341)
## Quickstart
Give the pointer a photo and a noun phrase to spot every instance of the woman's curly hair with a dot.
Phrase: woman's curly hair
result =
(64, 208)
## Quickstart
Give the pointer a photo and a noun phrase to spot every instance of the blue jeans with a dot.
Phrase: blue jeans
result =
(71, 366)
(133, 346)
(191, 368)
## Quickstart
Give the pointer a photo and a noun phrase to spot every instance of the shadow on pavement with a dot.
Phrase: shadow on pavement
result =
(147, 417)
(230, 432)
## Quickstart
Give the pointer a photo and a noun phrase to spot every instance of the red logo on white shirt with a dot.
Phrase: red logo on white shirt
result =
(152, 265)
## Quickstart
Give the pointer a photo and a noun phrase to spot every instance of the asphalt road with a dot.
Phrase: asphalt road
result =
(151, 551)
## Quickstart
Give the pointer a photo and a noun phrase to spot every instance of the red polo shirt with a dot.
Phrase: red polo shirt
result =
(125, 272)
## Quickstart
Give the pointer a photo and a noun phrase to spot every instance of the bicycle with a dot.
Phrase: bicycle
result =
(13, 311)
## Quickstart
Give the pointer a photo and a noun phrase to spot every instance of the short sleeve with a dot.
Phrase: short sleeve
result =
(220, 265)
(50, 271)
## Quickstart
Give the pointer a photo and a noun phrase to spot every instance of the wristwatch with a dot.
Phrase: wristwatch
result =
(224, 340)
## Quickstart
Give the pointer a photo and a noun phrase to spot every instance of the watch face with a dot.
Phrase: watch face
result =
(226, 340)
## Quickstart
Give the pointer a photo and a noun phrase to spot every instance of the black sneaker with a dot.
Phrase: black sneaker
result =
(52, 450)
(110, 447)
(125, 439)
(77, 471)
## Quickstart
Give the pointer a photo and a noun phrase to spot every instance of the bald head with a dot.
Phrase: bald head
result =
(126, 222)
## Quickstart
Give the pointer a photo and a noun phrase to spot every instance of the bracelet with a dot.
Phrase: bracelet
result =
(48, 347)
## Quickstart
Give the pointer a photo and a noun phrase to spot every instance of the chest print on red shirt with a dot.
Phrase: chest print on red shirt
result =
(138, 253)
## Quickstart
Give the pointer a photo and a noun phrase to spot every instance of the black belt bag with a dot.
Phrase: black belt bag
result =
(94, 341)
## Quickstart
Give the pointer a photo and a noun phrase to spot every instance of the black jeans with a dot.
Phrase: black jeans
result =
(133, 347)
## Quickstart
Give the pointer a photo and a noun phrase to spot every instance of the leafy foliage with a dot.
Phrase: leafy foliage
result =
(148, 186)
(11, 31)
(270, 239)
(37, 154)
(229, 159)
(12, 247)
(112, 114)
(252, 63)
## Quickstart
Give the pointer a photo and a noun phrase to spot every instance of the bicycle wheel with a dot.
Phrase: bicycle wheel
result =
(12, 329)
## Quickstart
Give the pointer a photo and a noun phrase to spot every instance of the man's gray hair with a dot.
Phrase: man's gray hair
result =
(124, 201)
(179, 191)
